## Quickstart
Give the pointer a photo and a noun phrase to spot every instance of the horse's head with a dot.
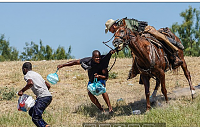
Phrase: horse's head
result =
(121, 36)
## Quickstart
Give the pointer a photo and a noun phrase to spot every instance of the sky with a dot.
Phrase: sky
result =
(80, 25)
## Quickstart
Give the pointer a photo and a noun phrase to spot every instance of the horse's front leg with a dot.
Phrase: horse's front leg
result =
(145, 80)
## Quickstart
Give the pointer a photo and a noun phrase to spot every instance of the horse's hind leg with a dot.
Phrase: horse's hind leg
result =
(187, 75)
(153, 96)
(163, 88)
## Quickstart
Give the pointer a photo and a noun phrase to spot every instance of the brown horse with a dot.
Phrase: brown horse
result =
(150, 59)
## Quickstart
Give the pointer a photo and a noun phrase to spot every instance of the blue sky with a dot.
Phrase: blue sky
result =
(81, 25)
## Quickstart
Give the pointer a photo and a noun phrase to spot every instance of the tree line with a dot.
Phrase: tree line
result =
(32, 51)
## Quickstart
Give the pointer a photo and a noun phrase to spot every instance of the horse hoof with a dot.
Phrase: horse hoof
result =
(147, 111)
(193, 92)
(194, 95)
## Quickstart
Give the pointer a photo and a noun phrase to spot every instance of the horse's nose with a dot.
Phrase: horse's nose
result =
(116, 42)
(115, 45)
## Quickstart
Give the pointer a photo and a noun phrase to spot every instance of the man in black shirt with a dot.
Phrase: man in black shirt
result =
(97, 68)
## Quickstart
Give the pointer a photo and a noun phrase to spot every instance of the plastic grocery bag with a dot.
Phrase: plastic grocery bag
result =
(25, 102)
(53, 78)
(96, 88)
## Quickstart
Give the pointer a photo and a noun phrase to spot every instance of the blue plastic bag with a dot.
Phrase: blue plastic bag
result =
(96, 88)
(53, 78)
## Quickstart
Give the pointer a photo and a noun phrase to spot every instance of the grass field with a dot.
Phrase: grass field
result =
(71, 106)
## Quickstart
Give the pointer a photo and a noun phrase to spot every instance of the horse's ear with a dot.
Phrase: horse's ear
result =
(123, 22)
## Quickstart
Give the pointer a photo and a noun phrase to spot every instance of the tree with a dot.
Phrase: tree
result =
(60, 53)
(36, 52)
(189, 31)
(7, 52)
(49, 53)
(29, 51)
(68, 54)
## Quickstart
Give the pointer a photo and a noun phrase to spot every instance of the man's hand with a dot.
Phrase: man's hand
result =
(20, 93)
(96, 75)
(59, 66)
(99, 76)
(48, 86)
(112, 51)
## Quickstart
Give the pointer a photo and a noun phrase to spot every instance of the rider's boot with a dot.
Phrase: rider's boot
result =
(133, 71)
(176, 61)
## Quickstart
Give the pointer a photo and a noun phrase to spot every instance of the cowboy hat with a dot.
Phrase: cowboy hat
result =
(108, 24)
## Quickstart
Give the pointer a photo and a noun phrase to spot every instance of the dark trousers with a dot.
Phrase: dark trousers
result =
(37, 110)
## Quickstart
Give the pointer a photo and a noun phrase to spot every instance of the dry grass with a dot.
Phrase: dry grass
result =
(71, 105)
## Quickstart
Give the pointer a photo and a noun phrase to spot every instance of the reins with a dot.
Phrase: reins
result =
(112, 49)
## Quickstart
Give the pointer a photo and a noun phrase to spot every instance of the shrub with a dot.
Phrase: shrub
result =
(113, 75)
(7, 93)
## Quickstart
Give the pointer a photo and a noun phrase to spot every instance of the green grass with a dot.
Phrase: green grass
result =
(16, 119)
(176, 113)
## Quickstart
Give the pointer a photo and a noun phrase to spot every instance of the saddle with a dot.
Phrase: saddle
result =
(153, 40)
(170, 36)
(166, 31)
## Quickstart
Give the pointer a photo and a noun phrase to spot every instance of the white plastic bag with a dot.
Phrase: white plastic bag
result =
(25, 102)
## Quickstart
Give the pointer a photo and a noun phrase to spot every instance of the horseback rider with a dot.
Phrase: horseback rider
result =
(113, 25)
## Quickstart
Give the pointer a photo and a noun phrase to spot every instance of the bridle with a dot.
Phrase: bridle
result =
(126, 40)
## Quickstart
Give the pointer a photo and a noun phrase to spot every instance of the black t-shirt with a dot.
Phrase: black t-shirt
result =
(95, 67)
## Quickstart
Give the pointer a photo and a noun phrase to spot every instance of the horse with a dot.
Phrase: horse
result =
(149, 59)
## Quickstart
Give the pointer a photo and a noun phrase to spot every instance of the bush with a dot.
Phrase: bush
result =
(7, 93)
(113, 75)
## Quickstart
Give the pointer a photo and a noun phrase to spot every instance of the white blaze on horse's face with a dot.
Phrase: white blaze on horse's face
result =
(118, 41)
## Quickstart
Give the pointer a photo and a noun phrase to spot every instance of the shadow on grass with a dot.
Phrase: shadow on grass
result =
(120, 108)
(90, 110)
